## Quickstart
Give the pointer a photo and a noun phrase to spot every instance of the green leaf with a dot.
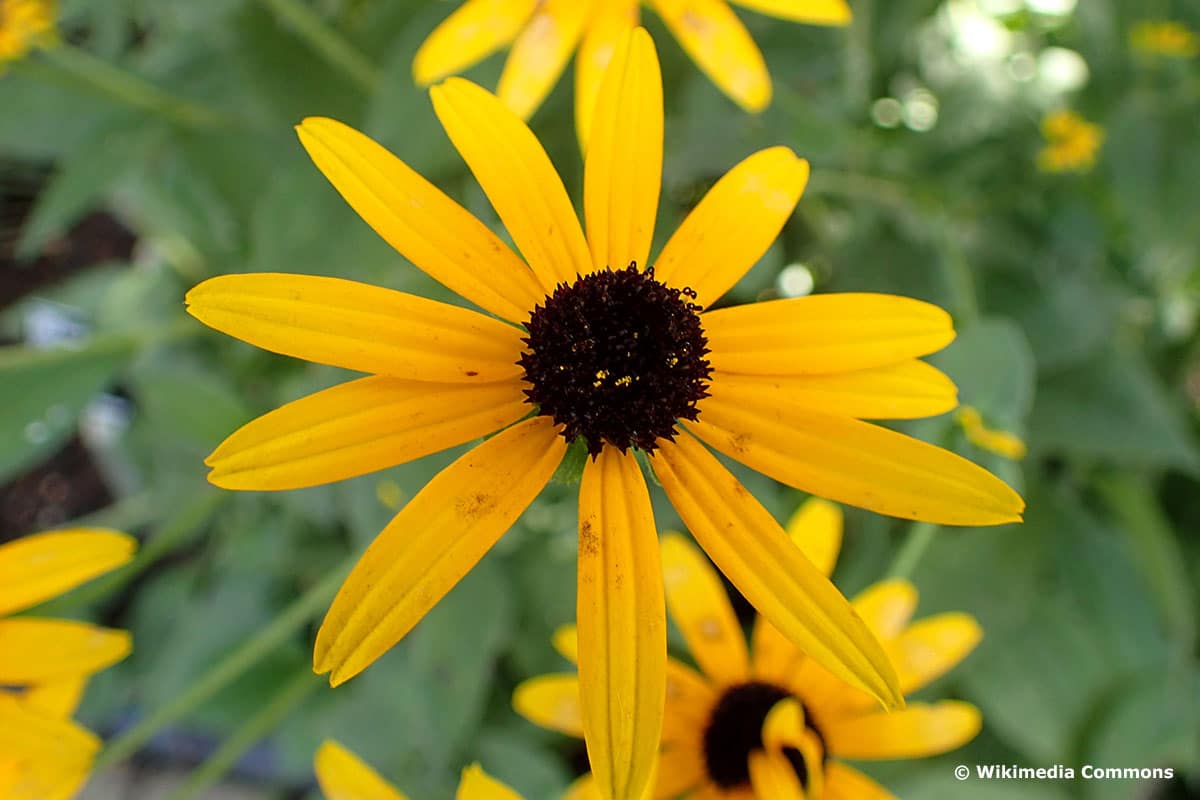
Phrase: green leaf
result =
(992, 365)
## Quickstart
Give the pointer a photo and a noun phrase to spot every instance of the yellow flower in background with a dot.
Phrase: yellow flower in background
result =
(344, 776)
(544, 33)
(1071, 143)
(589, 345)
(767, 722)
(25, 24)
(1164, 38)
(45, 663)
(1001, 443)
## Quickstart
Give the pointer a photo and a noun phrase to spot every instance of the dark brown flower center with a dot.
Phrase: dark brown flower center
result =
(734, 730)
(617, 358)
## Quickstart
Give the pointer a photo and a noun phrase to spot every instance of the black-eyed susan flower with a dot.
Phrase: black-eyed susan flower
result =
(766, 722)
(1071, 143)
(1164, 38)
(25, 24)
(544, 33)
(588, 346)
(45, 663)
(344, 776)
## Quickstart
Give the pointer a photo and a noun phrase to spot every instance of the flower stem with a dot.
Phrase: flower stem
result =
(247, 735)
(332, 47)
(233, 666)
(920, 536)
(128, 88)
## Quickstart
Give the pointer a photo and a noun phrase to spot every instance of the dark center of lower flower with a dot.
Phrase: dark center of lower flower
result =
(735, 729)
(617, 358)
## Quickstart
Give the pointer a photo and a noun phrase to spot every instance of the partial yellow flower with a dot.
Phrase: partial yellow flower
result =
(1071, 143)
(590, 346)
(543, 34)
(1164, 38)
(1002, 443)
(768, 722)
(344, 776)
(44, 663)
(25, 24)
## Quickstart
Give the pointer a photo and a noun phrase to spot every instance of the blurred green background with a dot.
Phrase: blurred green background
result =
(1075, 295)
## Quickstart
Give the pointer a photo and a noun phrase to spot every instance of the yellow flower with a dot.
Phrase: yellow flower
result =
(767, 722)
(1002, 443)
(25, 24)
(45, 663)
(616, 359)
(344, 776)
(1164, 38)
(1071, 143)
(544, 33)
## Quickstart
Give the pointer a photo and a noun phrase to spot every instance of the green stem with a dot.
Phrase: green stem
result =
(233, 666)
(961, 280)
(920, 536)
(331, 46)
(128, 88)
(246, 736)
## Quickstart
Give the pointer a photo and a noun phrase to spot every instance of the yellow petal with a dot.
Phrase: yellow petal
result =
(583, 788)
(773, 654)
(38, 650)
(772, 776)
(784, 726)
(721, 46)
(540, 53)
(732, 227)
(27, 735)
(360, 427)
(931, 647)
(432, 231)
(44, 565)
(812, 12)
(701, 610)
(611, 21)
(517, 176)
(748, 545)
(622, 625)
(908, 390)
(344, 776)
(359, 327)
(816, 528)
(478, 785)
(566, 642)
(551, 701)
(623, 174)
(847, 783)
(473, 32)
(917, 731)
(44, 780)
(680, 769)
(432, 543)
(887, 606)
(856, 463)
(690, 699)
(824, 333)
(57, 699)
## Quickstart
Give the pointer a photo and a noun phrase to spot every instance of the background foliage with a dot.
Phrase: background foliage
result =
(1076, 297)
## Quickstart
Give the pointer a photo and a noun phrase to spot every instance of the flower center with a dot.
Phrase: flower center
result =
(735, 729)
(617, 358)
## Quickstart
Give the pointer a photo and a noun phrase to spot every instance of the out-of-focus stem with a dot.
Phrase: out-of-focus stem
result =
(331, 46)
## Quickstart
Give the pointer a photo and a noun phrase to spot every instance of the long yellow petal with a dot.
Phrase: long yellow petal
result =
(344, 776)
(856, 463)
(36, 650)
(748, 545)
(773, 655)
(690, 700)
(566, 642)
(359, 327)
(816, 528)
(824, 333)
(918, 731)
(432, 231)
(44, 565)
(517, 176)
(28, 735)
(583, 788)
(622, 625)
(721, 46)
(623, 174)
(360, 427)
(58, 698)
(680, 769)
(847, 783)
(931, 647)
(473, 32)
(43, 780)
(701, 610)
(551, 701)
(812, 12)
(887, 606)
(611, 21)
(732, 227)
(772, 776)
(540, 53)
(432, 543)
(908, 390)
(478, 785)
